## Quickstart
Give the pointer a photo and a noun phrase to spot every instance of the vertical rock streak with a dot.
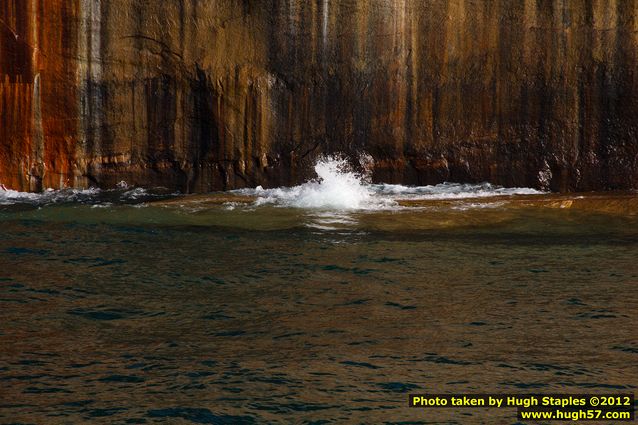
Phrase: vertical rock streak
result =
(230, 93)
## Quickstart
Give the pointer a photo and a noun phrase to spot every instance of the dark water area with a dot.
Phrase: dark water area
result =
(165, 312)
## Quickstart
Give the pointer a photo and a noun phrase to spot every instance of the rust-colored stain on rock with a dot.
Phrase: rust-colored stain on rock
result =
(39, 110)
(16, 87)
(202, 96)
(57, 114)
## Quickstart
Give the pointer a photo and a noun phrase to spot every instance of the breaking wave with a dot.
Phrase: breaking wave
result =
(337, 187)
(91, 196)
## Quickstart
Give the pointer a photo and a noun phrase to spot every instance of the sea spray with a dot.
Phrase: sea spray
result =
(336, 187)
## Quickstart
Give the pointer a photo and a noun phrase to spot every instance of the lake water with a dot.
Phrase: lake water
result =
(325, 303)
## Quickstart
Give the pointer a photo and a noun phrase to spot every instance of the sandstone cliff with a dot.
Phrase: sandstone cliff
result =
(208, 95)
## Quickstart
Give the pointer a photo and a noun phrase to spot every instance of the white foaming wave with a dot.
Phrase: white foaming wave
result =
(136, 193)
(338, 188)
(451, 191)
(9, 196)
(335, 188)
(91, 195)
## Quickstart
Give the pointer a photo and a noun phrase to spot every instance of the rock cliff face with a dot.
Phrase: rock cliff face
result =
(208, 95)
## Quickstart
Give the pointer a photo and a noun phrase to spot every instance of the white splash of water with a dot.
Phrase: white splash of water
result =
(337, 190)
(337, 187)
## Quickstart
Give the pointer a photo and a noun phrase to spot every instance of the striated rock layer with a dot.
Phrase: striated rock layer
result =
(208, 95)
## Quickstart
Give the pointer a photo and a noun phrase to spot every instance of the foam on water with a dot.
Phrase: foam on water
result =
(9, 197)
(445, 191)
(93, 196)
(337, 187)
